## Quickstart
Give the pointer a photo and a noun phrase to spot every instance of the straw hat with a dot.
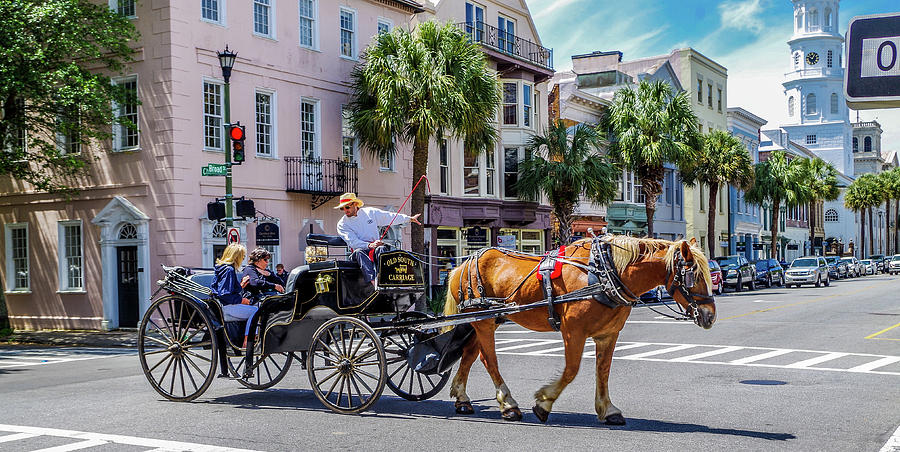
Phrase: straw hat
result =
(348, 198)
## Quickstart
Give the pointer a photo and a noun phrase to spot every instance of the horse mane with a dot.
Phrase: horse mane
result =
(628, 250)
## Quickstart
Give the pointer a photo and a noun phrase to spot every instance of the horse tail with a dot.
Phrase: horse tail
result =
(451, 304)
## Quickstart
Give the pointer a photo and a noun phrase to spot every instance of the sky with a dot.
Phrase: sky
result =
(748, 37)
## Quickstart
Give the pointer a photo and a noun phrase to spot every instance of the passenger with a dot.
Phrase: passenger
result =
(281, 274)
(262, 281)
(229, 291)
(359, 228)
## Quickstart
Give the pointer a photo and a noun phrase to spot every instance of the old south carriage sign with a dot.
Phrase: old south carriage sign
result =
(399, 269)
(267, 234)
(872, 78)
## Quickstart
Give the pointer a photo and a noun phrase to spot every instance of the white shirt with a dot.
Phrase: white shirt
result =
(362, 229)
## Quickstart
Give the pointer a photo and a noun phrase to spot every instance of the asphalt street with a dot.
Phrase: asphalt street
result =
(782, 369)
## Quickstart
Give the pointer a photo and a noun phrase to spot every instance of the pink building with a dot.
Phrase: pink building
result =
(91, 262)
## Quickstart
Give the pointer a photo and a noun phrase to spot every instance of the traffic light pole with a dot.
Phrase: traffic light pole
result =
(226, 143)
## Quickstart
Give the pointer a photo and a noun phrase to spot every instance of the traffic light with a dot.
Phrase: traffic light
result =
(237, 143)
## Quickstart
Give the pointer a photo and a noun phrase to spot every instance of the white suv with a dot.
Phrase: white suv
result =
(894, 264)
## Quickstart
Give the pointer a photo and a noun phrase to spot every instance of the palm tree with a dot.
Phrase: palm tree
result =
(862, 195)
(649, 127)
(821, 178)
(778, 182)
(890, 183)
(418, 85)
(564, 167)
(722, 160)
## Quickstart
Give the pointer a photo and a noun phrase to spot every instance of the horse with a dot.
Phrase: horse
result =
(641, 264)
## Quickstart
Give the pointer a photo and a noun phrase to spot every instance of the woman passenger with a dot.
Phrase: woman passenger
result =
(262, 280)
(229, 291)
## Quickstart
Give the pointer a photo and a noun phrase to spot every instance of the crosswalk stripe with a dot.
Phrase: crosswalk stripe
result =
(16, 437)
(875, 364)
(74, 446)
(531, 344)
(627, 346)
(658, 352)
(760, 357)
(720, 351)
(817, 360)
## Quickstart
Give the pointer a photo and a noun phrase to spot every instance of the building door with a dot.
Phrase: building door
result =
(127, 265)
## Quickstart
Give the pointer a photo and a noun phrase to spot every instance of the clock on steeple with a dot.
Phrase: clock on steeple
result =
(812, 58)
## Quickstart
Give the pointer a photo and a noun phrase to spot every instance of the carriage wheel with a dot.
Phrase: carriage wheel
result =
(177, 348)
(268, 370)
(403, 380)
(346, 365)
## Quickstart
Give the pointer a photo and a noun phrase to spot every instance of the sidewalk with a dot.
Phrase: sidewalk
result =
(68, 338)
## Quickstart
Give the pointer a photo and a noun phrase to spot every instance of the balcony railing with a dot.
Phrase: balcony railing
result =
(508, 43)
(321, 178)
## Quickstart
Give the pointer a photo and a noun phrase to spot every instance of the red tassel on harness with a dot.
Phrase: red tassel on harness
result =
(557, 267)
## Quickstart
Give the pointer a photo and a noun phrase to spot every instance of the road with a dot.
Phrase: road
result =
(783, 369)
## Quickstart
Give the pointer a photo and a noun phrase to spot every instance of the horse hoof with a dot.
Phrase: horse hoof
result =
(512, 414)
(541, 413)
(464, 408)
(615, 419)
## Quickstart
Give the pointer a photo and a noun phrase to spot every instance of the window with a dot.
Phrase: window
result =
(71, 262)
(811, 104)
(125, 128)
(526, 105)
(128, 232)
(834, 103)
(720, 100)
(510, 108)
(700, 128)
(855, 144)
(799, 21)
(791, 106)
(867, 144)
(348, 33)
(212, 116)
(709, 94)
(810, 139)
(828, 19)
(668, 187)
(384, 26)
(471, 174)
(812, 20)
(265, 147)
(490, 171)
(348, 139)
(262, 18)
(444, 158)
(510, 172)
(387, 162)
(704, 199)
(475, 22)
(125, 8)
(18, 276)
(68, 136)
(678, 188)
(507, 34)
(829, 58)
(308, 23)
(700, 90)
(211, 10)
(796, 60)
(309, 128)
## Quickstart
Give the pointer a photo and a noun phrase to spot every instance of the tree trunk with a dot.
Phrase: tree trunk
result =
(711, 219)
(871, 235)
(812, 228)
(417, 203)
(564, 217)
(776, 207)
(887, 227)
(651, 186)
(862, 233)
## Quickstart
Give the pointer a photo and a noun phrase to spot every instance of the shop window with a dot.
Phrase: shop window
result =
(471, 174)
(445, 167)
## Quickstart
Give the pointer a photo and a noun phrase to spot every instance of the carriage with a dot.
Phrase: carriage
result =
(351, 337)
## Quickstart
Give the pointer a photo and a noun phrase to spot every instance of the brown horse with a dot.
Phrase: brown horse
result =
(642, 264)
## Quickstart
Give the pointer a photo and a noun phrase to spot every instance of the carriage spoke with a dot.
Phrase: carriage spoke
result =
(174, 371)
(154, 352)
(398, 369)
(325, 368)
(396, 360)
(336, 346)
(419, 378)
(168, 324)
(362, 382)
(358, 392)
(166, 370)
(160, 362)
(329, 377)
(172, 318)
(181, 373)
(199, 344)
(180, 318)
(340, 394)
(327, 348)
(371, 351)
(191, 376)
(356, 350)
(161, 332)
(159, 342)
(362, 372)
(197, 356)
(352, 337)
(268, 373)
(191, 362)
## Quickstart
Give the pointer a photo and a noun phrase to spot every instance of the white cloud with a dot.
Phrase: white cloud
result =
(742, 15)
(542, 8)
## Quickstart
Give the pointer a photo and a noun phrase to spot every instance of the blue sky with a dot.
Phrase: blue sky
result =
(749, 37)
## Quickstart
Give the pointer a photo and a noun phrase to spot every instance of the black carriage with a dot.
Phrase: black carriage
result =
(351, 337)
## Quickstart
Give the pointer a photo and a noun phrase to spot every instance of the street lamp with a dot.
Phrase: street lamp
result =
(226, 62)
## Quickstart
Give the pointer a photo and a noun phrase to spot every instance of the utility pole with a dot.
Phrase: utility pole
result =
(226, 61)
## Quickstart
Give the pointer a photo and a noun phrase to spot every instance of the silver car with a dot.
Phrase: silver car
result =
(807, 270)
(894, 264)
(854, 268)
(869, 266)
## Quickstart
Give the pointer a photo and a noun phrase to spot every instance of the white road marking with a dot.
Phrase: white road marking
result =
(760, 357)
(531, 343)
(706, 354)
(88, 439)
(875, 364)
(665, 322)
(893, 443)
(661, 351)
(817, 360)
(38, 357)
(16, 437)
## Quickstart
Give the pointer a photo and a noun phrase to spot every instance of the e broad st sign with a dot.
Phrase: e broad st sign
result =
(872, 77)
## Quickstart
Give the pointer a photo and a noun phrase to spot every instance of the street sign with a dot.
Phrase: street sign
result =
(267, 234)
(234, 235)
(506, 241)
(214, 169)
(872, 77)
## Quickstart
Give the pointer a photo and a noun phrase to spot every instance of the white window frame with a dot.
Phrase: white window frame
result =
(114, 5)
(271, 18)
(814, 110)
(65, 141)
(117, 128)
(504, 104)
(221, 116)
(221, 7)
(490, 173)
(354, 38)
(62, 254)
(388, 165)
(314, 26)
(479, 165)
(346, 132)
(384, 21)
(445, 185)
(273, 123)
(528, 117)
(10, 266)
(835, 104)
(317, 126)
(520, 157)
(791, 106)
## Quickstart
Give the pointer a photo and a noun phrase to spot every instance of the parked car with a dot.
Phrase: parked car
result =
(854, 268)
(886, 264)
(715, 273)
(869, 266)
(807, 270)
(769, 272)
(738, 272)
(655, 295)
(878, 260)
(841, 267)
(894, 267)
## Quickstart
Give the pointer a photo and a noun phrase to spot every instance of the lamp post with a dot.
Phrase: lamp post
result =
(226, 62)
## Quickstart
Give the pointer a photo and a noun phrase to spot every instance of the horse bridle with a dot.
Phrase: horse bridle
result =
(682, 281)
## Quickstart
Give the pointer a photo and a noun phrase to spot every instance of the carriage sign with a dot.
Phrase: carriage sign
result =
(872, 77)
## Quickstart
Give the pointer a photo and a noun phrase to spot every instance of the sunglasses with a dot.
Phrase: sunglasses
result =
(348, 207)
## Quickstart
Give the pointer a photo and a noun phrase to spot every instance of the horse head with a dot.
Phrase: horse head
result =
(689, 282)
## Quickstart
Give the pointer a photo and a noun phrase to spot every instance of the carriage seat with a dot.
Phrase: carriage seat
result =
(324, 240)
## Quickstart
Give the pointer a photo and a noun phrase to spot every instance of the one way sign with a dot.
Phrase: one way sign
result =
(872, 78)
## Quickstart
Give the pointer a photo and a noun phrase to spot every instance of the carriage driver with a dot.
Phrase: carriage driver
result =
(359, 228)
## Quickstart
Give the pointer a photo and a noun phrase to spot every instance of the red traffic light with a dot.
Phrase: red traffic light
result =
(237, 133)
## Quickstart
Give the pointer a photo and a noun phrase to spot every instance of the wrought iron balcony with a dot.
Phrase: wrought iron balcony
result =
(508, 44)
(321, 178)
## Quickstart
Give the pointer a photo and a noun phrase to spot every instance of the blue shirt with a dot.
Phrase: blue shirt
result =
(226, 285)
